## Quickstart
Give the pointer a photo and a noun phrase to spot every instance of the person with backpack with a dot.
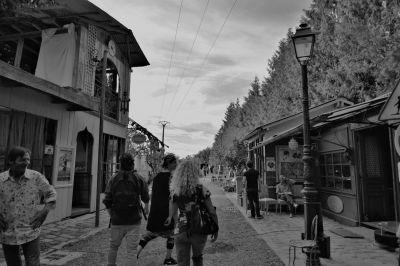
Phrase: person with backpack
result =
(159, 210)
(123, 196)
(194, 204)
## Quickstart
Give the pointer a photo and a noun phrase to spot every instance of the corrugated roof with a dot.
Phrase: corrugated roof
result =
(313, 112)
(328, 118)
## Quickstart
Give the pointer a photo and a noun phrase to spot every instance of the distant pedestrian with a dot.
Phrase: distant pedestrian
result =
(123, 197)
(21, 216)
(185, 188)
(284, 191)
(159, 210)
(251, 184)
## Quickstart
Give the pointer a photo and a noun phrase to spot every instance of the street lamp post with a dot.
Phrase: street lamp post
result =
(303, 42)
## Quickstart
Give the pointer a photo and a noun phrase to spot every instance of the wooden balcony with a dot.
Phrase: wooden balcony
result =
(76, 100)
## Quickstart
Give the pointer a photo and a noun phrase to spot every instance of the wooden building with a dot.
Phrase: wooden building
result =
(356, 169)
(50, 83)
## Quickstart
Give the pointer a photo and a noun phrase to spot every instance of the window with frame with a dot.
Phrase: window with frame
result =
(335, 170)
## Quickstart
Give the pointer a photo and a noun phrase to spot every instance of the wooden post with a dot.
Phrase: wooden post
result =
(18, 54)
(100, 153)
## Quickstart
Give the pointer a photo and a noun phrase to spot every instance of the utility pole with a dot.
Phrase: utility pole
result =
(163, 123)
(100, 151)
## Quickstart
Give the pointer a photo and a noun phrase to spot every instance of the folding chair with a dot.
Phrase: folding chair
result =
(309, 246)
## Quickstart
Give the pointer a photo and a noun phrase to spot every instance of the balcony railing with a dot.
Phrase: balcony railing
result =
(111, 101)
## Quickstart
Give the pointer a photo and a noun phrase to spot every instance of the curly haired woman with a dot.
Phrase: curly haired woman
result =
(184, 189)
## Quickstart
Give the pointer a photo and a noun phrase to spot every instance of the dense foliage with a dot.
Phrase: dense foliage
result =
(356, 57)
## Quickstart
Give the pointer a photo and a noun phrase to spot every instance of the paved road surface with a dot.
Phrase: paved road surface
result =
(238, 242)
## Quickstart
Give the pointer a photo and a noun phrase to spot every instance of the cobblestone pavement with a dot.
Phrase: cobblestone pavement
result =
(238, 243)
(278, 229)
(242, 241)
(58, 234)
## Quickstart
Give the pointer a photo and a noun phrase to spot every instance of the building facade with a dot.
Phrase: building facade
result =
(50, 84)
(356, 166)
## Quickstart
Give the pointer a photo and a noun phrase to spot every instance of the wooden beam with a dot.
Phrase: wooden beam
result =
(18, 54)
(58, 100)
(18, 75)
(24, 18)
(12, 37)
(100, 25)
(30, 34)
(35, 26)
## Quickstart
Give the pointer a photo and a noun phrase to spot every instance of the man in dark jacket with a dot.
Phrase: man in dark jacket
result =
(252, 176)
(159, 210)
(123, 197)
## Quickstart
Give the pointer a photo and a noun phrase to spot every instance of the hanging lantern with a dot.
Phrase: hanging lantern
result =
(293, 144)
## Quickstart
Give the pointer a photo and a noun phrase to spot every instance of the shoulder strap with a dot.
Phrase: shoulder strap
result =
(121, 178)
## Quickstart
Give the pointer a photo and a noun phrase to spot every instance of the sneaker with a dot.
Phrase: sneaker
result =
(251, 216)
(290, 215)
(259, 217)
(170, 261)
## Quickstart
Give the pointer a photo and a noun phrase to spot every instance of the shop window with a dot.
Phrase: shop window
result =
(335, 171)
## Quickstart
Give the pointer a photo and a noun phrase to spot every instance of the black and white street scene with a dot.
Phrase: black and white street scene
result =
(199, 132)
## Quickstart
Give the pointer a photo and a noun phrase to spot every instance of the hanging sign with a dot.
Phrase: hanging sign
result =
(138, 138)
(391, 109)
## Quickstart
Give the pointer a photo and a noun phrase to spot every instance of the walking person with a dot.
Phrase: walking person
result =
(159, 210)
(251, 184)
(123, 197)
(284, 191)
(21, 211)
(185, 189)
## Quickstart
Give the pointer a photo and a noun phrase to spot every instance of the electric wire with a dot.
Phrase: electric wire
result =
(205, 58)
(170, 61)
(186, 63)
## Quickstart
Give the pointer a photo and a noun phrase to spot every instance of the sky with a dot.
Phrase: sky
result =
(201, 64)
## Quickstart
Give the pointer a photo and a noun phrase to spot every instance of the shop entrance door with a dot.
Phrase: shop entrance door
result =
(375, 174)
(83, 174)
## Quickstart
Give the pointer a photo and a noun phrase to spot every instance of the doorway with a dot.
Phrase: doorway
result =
(375, 175)
(83, 174)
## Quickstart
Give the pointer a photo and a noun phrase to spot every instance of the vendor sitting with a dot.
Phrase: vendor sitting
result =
(284, 191)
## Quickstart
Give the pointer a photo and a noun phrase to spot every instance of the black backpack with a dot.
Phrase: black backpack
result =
(126, 199)
(200, 220)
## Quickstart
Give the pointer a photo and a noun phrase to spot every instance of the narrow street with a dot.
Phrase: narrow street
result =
(238, 243)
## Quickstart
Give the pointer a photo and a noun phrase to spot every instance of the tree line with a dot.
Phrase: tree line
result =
(356, 57)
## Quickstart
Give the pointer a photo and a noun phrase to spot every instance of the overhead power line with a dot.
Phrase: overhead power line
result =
(186, 62)
(170, 61)
(205, 58)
